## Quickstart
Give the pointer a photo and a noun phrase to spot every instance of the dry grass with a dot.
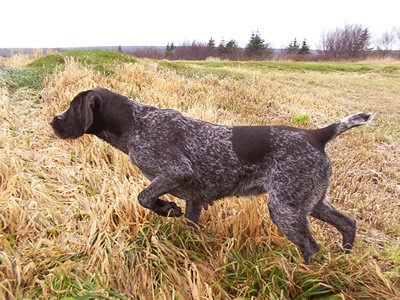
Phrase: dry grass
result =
(70, 224)
(19, 59)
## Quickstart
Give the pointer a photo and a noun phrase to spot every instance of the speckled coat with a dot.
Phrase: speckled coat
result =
(202, 162)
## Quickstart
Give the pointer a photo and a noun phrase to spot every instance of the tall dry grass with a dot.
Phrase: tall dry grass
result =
(19, 59)
(70, 223)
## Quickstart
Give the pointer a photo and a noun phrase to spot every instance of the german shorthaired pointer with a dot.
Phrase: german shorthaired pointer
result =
(201, 162)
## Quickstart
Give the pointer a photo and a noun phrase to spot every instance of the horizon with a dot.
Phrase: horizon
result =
(91, 24)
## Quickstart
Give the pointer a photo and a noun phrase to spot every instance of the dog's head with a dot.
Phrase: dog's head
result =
(94, 111)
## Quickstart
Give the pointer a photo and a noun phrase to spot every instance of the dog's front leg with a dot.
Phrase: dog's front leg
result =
(161, 185)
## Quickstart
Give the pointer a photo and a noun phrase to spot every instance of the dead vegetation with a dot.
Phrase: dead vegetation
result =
(70, 224)
(19, 59)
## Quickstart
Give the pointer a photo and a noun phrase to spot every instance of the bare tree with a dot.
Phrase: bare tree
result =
(397, 31)
(189, 51)
(148, 52)
(350, 42)
(384, 45)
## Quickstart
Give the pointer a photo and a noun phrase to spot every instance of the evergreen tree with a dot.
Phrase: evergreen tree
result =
(257, 47)
(365, 40)
(221, 50)
(211, 47)
(231, 48)
(211, 43)
(167, 51)
(305, 49)
(194, 50)
(293, 47)
(360, 40)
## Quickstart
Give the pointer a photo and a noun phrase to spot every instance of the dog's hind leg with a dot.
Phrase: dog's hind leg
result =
(192, 212)
(346, 225)
(294, 224)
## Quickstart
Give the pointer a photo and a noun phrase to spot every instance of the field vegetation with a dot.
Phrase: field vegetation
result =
(70, 224)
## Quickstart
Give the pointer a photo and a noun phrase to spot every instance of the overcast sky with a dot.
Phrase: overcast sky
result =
(72, 23)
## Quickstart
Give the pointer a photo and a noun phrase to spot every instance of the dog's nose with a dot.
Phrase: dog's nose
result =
(57, 117)
(51, 122)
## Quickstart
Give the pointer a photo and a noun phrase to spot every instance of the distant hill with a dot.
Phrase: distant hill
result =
(6, 52)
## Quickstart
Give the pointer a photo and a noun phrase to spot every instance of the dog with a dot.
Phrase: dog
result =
(202, 162)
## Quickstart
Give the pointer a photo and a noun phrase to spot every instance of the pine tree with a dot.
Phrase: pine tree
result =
(211, 47)
(257, 48)
(211, 43)
(231, 48)
(365, 40)
(293, 47)
(167, 51)
(305, 49)
(221, 50)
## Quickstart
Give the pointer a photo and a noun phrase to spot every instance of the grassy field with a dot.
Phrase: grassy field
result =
(70, 224)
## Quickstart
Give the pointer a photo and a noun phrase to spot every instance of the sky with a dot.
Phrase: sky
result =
(72, 23)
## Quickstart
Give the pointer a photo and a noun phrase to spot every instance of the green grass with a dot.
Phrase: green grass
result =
(267, 66)
(32, 75)
(251, 272)
(74, 287)
(390, 69)
(48, 62)
(103, 61)
(22, 77)
(301, 119)
(188, 69)
(391, 254)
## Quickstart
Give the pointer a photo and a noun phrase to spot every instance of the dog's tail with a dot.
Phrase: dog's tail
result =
(324, 135)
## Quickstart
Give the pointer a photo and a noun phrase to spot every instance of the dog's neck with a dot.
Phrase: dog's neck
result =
(117, 123)
(119, 142)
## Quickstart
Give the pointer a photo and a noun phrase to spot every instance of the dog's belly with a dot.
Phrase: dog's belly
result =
(207, 192)
(186, 194)
(250, 189)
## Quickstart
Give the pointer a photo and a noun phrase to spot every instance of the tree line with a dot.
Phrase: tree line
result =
(350, 42)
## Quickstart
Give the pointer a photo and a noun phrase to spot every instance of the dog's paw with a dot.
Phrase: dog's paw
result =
(174, 210)
(167, 209)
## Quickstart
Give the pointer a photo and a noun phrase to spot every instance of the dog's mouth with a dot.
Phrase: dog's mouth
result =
(58, 131)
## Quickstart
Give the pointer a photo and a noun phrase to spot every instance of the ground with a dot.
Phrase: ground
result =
(70, 223)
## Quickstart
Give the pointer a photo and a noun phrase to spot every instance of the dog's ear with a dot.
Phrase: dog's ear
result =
(87, 108)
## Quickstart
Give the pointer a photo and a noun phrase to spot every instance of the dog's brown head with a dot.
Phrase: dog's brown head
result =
(94, 111)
